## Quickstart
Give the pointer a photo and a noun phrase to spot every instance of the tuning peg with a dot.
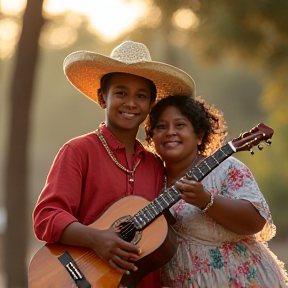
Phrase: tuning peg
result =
(252, 152)
(260, 147)
(269, 142)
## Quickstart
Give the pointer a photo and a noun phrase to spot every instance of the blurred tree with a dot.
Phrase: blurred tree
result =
(256, 33)
(21, 92)
(253, 33)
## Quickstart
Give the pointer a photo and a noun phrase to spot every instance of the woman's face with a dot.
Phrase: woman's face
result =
(174, 136)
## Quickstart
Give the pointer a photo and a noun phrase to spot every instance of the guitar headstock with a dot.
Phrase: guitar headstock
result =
(254, 137)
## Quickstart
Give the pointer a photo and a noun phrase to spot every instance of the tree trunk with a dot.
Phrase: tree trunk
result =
(16, 194)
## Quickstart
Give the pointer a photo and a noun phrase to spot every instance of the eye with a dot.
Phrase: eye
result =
(121, 93)
(142, 96)
(180, 124)
(160, 126)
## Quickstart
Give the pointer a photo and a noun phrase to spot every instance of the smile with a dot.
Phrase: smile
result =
(129, 116)
(171, 143)
(133, 114)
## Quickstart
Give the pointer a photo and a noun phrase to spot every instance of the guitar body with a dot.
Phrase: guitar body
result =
(158, 244)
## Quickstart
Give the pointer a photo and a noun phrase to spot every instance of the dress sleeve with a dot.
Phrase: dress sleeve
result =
(59, 200)
(239, 183)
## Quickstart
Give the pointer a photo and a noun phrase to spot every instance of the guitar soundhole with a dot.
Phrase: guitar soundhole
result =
(127, 230)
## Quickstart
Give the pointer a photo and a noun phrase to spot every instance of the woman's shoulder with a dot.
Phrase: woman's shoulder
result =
(230, 163)
(233, 161)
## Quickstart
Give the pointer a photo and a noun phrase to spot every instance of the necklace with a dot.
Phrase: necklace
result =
(110, 153)
(191, 165)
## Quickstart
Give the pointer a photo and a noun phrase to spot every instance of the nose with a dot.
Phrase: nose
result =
(171, 131)
(130, 102)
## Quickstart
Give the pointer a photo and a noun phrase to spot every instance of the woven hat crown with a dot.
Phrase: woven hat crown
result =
(85, 69)
(131, 52)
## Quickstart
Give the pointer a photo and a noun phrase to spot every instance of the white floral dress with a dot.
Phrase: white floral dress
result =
(210, 256)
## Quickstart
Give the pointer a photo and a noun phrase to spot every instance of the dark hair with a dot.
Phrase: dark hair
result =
(105, 82)
(206, 120)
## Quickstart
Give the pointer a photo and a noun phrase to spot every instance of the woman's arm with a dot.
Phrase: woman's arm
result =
(236, 215)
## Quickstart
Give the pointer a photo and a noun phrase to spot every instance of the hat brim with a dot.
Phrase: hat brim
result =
(84, 70)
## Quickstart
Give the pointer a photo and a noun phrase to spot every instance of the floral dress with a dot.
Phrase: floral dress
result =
(210, 256)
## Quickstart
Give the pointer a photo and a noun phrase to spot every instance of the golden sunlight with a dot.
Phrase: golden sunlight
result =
(108, 18)
(185, 19)
(9, 35)
(12, 7)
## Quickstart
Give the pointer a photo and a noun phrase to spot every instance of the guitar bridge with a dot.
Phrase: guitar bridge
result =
(74, 271)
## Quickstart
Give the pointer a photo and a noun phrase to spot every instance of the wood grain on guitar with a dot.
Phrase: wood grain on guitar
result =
(62, 266)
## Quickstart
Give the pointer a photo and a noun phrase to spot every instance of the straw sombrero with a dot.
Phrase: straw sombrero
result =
(84, 70)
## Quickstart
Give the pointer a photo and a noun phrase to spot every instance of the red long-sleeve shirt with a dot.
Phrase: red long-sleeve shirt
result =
(84, 181)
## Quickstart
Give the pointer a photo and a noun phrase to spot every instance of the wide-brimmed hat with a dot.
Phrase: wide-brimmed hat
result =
(84, 70)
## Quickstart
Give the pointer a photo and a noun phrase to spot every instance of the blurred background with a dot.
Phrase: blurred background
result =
(237, 53)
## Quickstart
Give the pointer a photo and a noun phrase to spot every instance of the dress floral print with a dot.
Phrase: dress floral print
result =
(210, 256)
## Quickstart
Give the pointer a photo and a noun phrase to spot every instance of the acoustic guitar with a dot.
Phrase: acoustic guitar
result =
(140, 222)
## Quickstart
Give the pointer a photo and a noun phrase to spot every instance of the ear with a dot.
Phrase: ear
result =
(101, 99)
(199, 139)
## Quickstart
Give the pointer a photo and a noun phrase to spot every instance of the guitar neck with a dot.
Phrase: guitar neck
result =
(172, 195)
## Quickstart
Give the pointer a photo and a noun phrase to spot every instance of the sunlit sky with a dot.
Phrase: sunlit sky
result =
(109, 17)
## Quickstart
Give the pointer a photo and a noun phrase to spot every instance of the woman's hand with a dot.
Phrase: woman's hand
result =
(236, 215)
(193, 192)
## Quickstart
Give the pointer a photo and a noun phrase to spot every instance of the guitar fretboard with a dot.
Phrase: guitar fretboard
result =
(172, 195)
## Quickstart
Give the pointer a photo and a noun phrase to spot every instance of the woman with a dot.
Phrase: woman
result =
(222, 223)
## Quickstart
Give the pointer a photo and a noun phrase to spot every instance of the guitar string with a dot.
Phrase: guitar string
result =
(102, 139)
(201, 166)
(129, 228)
(92, 254)
(84, 262)
(84, 257)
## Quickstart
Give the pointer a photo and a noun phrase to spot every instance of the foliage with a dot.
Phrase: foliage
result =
(252, 31)
(255, 33)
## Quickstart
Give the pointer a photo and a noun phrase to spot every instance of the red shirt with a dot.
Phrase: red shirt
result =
(84, 181)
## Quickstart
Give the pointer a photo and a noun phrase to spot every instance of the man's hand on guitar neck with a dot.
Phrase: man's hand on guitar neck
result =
(120, 254)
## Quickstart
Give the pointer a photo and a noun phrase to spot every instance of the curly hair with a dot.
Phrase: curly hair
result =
(206, 120)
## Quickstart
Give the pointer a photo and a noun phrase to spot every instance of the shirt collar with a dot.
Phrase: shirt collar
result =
(114, 144)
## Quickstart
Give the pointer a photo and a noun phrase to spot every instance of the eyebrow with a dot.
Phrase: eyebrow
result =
(125, 87)
(176, 119)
